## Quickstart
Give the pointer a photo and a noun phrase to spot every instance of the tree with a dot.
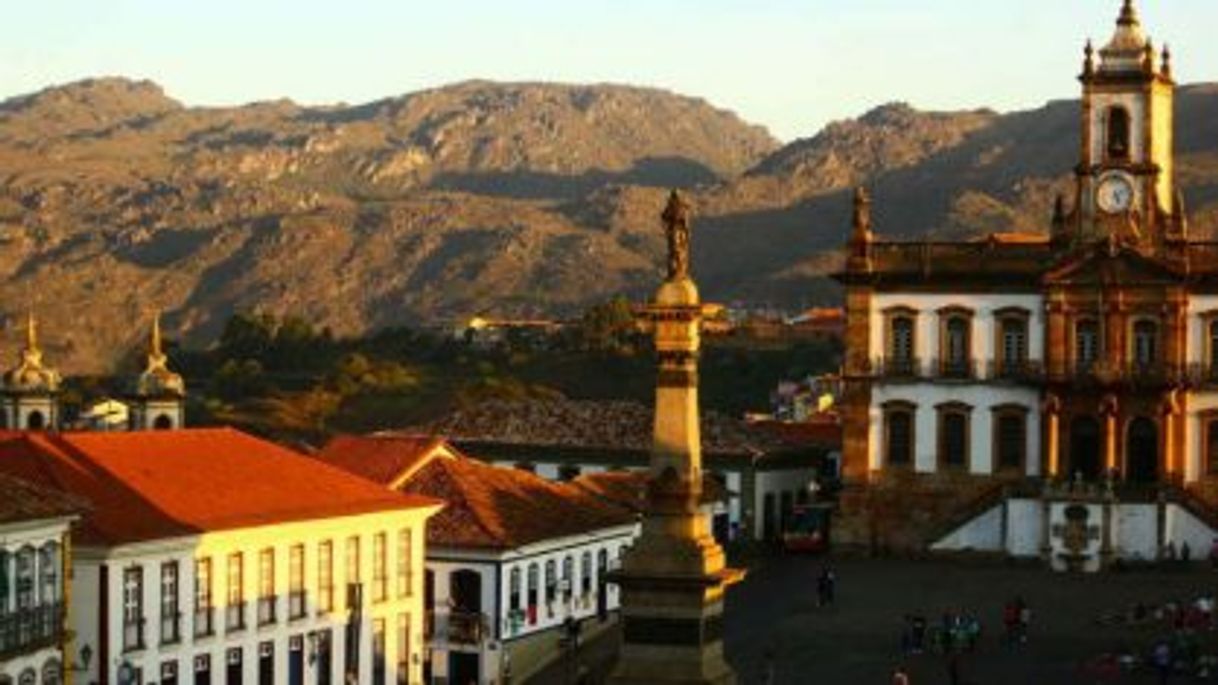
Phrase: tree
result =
(608, 327)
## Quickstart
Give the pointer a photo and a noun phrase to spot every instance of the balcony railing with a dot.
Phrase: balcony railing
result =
(1020, 371)
(170, 622)
(203, 622)
(1205, 373)
(28, 630)
(897, 368)
(466, 627)
(133, 633)
(1129, 373)
(956, 369)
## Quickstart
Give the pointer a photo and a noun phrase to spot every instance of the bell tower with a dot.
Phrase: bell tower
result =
(1125, 172)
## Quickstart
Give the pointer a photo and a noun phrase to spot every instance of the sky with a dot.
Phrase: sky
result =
(790, 65)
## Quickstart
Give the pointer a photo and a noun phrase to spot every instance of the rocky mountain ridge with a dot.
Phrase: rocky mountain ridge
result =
(532, 199)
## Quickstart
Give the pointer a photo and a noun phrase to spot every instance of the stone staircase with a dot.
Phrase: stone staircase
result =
(906, 513)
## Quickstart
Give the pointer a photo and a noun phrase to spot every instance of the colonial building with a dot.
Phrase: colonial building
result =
(211, 556)
(514, 562)
(34, 572)
(1086, 353)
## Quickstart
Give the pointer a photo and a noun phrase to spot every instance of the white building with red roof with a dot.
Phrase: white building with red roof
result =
(514, 561)
(34, 541)
(211, 556)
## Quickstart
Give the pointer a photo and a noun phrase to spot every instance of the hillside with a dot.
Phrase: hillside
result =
(479, 197)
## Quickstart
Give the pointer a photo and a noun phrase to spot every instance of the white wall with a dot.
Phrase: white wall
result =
(1136, 531)
(985, 327)
(1184, 527)
(1025, 527)
(982, 397)
(250, 541)
(982, 534)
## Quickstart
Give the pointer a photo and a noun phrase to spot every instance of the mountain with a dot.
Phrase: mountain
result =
(479, 197)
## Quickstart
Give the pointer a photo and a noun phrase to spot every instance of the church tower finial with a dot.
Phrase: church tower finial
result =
(31, 331)
(1129, 14)
(154, 343)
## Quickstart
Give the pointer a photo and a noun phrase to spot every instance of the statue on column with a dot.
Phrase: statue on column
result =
(676, 228)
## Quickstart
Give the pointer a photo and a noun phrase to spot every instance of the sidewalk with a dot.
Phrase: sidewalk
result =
(593, 661)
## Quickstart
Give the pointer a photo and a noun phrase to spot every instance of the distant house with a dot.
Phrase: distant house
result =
(105, 415)
(209, 556)
(513, 560)
(765, 475)
(34, 575)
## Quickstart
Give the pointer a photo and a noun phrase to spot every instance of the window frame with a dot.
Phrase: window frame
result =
(997, 414)
(1075, 343)
(945, 411)
(891, 408)
(1135, 339)
(1002, 318)
(901, 364)
(949, 365)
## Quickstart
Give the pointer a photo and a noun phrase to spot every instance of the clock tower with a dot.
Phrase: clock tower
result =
(1125, 175)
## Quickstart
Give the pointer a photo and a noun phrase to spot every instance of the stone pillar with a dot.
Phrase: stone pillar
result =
(674, 576)
(856, 404)
(1052, 411)
(1056, 344)
(1108, 408)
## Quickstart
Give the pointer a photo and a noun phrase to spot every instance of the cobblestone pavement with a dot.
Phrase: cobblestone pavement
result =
(857, 641)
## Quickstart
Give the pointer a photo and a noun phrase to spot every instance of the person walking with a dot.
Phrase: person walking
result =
(1161, 660)
(1025, 621)
(899, 676)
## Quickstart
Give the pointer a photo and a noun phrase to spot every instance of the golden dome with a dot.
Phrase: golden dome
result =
(30, 376)
(1128, 47)
(157, 380)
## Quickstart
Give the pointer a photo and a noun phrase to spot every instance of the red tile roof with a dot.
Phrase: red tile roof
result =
(382, 457)
(157, 484)
(505, 508)
(21, 500)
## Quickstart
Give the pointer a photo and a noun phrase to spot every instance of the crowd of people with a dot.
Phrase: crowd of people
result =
(958, 632)
(1177, 646)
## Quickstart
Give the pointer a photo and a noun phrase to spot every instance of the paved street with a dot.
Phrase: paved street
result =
(858, 640)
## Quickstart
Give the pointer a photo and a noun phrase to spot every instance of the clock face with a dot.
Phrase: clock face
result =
(1115, 194)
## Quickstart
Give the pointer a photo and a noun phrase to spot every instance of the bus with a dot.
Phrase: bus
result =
(807, 529)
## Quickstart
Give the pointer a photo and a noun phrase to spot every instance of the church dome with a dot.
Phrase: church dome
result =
(157, 380)
(31, 376)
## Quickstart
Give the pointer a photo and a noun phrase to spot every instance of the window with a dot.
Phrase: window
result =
(568, 584)
(353, 559)
(405, 563)
(955, 351)
(296, 581)
(52, 672)
(1145, 343)
(1118, 133)
(233, 672)
(266, 586)
(585, 573)
(531, 593)
(133, 608)
(898, 434)
(5, 584)
(551, 583)
(169, 603)
(169, 673)
(380, 568)
(203, 598)
(1211, 446)
(266, 663)
(235, 609)
(403, 649)
(1212, 370)
(568, 472)
(25, 578)
(514, 589)
(1010, 437)
(48, 573)
(325, 576)
(1012, 352)
(1086, 344)
(953, 435)
(901, 343)
(378, 651)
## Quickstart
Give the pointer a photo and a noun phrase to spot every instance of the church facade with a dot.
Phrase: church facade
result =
(1088, 354)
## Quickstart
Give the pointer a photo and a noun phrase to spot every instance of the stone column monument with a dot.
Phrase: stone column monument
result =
(673, 578)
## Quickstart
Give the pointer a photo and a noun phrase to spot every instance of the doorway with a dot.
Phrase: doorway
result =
(1142, 451)
(1085, 448)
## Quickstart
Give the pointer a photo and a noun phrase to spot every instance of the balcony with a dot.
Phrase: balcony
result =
(28, 630)
(466, 627)
(1020, 371)
(897, 368)
(1141, 374)
(956, 369)
(1203, 374)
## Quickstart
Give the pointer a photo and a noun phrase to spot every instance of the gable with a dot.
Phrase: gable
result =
(1103, 263)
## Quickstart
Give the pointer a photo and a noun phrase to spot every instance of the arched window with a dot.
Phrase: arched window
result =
(24, 576)
(954, 435)
(162, 422)
(901, 344)
(568, 581)
(52, 672)
(28, 677)
(48, 563)
(35, 421)
(1012, 352)
(1086, 344)
(585, 573)
(898, 434)
(1145, 342)
(1118, 133)
(956, 353)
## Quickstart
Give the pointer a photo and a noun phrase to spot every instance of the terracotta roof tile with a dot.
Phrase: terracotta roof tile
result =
(150, 485)
(381, 457)
(21, 500)
(497, 507)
